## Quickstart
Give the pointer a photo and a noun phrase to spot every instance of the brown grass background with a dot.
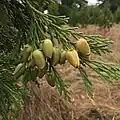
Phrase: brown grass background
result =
(44, 103)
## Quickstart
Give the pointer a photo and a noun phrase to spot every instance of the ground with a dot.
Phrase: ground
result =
(44, 103)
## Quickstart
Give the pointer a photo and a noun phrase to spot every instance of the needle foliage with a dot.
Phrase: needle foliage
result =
(27, 24)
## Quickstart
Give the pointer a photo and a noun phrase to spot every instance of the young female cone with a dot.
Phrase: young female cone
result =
(26, 52)
(83, 46)
(63, 57)
(73, 58)
(56, 56)
(39, 59)
(50, 78)
(19, 70)
(47, 48)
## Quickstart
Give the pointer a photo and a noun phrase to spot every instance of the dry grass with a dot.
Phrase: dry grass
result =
(44, 103)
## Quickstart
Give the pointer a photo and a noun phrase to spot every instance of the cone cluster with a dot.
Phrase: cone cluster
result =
(47, 54)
